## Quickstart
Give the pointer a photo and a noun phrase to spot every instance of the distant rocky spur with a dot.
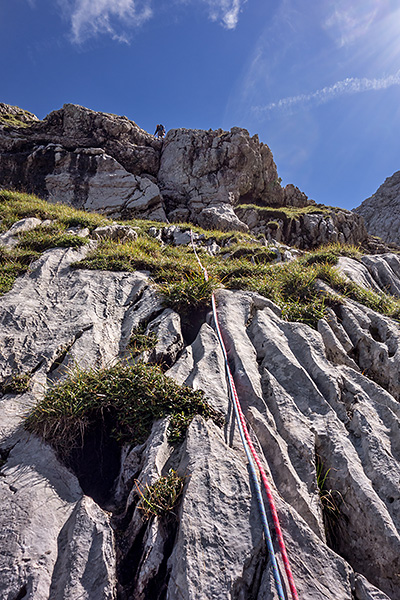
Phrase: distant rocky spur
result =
(381, 212)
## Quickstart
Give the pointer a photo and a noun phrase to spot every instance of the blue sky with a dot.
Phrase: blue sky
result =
(319, 82)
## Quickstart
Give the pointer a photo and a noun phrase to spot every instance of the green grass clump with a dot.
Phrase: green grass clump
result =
(161, 497)
(330, 254)
(127, 398)
(189, 294)
(140, 342)
(49, 236)
(13, 262)
(255, 254)
(17, 205)
(18, 383)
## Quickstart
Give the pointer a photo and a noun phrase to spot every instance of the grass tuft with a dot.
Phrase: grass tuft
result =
(162, 497)
(129, 398)
(18, 383)
(141, 342)
(189, 294)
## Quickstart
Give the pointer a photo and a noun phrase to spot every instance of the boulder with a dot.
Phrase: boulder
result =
(222, 218)
(10, 237)
(121, 233)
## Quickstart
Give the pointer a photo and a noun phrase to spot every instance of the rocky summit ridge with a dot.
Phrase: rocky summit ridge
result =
(98, 504)
(216, 179)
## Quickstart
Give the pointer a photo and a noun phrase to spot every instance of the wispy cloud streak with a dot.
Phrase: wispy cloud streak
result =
(351, 85)
(348, 22)
(90, 18)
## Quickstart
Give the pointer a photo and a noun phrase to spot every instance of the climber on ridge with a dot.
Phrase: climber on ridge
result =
(160, 131)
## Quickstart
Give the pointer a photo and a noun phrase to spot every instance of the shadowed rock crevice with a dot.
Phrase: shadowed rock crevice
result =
(132, 566)
(22, 593)
(96, 463)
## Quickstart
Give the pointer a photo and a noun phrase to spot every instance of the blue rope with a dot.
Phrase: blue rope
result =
(253, 471)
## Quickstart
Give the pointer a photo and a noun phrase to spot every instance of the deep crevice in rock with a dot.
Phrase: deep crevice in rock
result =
(22, 593)
(96, 463)
(130, 562)
(157, 587)
(191, 324)
(335, 521)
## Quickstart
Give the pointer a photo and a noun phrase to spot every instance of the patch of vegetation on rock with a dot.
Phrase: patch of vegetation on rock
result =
(17, 205)
(17, 383)
(50, 236)
(285, 213)
(140, 341)
(124, 399)
(162, 496)
(243, 263)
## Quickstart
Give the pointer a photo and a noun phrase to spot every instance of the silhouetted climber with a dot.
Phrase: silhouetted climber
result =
(160, 131)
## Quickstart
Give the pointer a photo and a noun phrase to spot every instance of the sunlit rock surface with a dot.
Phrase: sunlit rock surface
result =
(327, 398)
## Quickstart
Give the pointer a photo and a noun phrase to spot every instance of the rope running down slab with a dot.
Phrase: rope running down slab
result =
(253, 457)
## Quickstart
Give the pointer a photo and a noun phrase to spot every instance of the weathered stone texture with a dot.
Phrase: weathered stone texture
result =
(381, 211)
(308, 230)
(304, 394)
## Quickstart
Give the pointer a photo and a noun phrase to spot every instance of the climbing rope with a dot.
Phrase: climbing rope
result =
(253, 457)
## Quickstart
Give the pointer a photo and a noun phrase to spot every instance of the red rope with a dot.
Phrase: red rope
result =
(263, 475)
(264, 479)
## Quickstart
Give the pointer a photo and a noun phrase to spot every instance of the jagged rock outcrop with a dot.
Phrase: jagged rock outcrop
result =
(203, 169)
(86, 159)
(329, 396)
(381, 212)
(106, 163)
(306, 230)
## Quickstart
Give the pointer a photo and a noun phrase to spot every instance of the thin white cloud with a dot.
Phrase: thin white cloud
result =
(90, 18)
(225, 11)
(351, 85)
(347, 22)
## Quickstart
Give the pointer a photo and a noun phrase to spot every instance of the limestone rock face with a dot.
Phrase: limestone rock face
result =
(381, 211)
(326, 397)
(306, 230)
(104, 162)
(86, 159)
(200, 169)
